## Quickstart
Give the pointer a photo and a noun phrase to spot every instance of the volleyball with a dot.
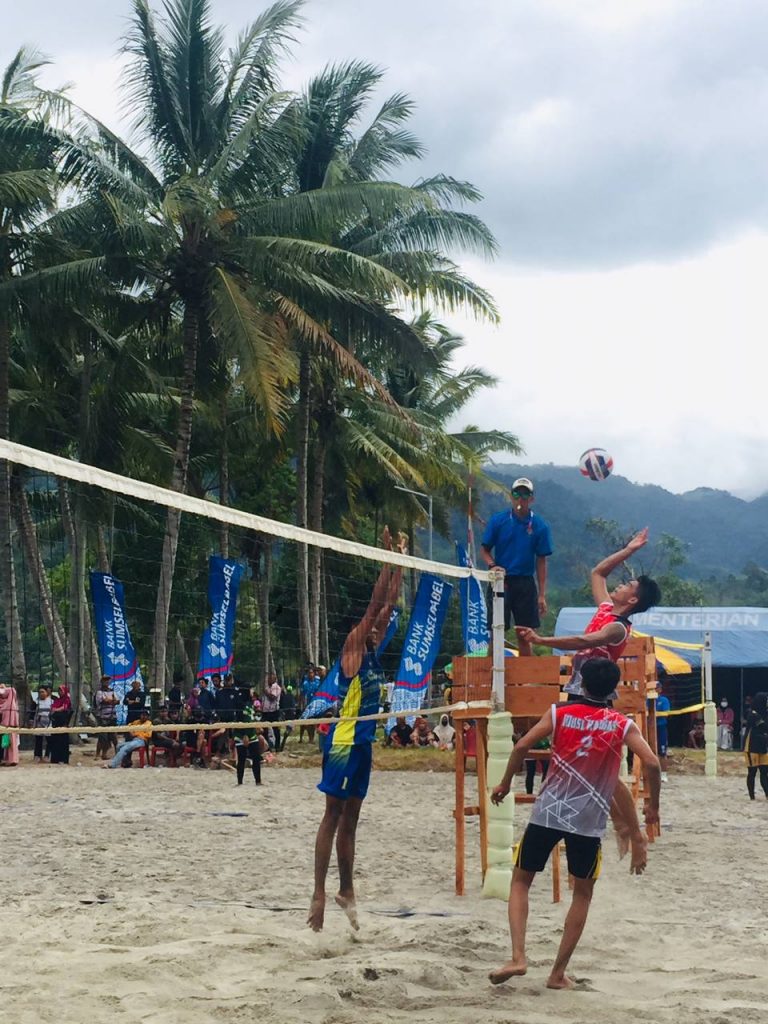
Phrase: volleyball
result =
(596, 463)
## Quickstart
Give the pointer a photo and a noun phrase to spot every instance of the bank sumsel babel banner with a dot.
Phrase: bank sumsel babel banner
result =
(116, 651)
(217, 643)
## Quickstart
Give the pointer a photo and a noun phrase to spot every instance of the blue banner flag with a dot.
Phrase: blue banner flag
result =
(474, 611)
(422, 644)
(327, 692)
(116, 651)
(216, 645)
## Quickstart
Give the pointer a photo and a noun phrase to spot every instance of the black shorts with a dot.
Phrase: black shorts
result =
(521, 602)
(584, 853)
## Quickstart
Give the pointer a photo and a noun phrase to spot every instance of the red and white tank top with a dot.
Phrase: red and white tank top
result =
(602, 617)
(586, 756)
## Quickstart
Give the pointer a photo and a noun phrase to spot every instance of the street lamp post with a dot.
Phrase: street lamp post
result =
(428, 510)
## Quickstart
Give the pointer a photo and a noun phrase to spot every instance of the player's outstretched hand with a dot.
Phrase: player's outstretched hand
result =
(527, 635)
(498, 794)
(639, 540)
(402, 542)
(386, 538)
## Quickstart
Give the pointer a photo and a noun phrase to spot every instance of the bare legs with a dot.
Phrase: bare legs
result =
(339, 821)
(518, 922)
(572, 932)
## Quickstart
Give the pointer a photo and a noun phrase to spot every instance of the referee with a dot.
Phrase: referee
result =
(519, 541)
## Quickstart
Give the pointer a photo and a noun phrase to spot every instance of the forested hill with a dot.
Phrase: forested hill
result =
(723, 534)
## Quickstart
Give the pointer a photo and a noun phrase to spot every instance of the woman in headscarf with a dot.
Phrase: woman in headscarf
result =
(756, 744)
(421, 733)
(61, 711)
(9, 717)
(444, 734)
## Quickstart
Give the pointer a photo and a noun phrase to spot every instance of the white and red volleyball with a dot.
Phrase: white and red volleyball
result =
(596, 463)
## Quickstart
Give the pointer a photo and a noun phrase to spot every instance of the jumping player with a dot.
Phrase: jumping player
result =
(572, 805)
(606, 636)
(348, 754)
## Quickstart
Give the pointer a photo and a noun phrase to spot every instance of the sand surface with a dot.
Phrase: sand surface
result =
(138, 896)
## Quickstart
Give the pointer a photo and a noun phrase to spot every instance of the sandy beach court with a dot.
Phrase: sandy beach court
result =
(173, 895)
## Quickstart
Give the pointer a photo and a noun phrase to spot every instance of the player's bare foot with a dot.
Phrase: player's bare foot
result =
(511, 969)
(347, 904)
(639, 859)
(316, 915)
(563, 981)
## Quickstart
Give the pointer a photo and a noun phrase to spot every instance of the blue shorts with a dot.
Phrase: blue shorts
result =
(346, 770)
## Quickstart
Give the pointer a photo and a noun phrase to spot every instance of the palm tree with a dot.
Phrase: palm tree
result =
(27, 184)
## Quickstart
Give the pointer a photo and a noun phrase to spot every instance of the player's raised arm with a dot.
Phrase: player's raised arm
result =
(355, 645)
(603, 569)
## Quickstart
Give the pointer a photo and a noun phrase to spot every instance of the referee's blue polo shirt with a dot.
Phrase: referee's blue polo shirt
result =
(516, 544)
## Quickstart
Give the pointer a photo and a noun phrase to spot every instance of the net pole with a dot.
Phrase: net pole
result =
(710, 713)
(497, 638)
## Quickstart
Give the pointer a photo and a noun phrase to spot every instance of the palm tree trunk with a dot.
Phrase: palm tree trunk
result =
(224, 478)
(79, 617)
(316, 523)
(302, 458)
(186, 664)
(324, 644)
(263, 585)
(190, 331)
(54, 627)
(13, 634)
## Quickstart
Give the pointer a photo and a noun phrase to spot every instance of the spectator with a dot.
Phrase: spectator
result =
(175, 699)
(135, 700)
(9, 717)
(226, 700)
(137, 740)
(206, 700)
(105, 703)
(401, 734)
(421, 734)
(444, 735)
(270, 706)
(42, 719)
(249, 743)
(696, 735)
(61, 712)
(662, 731)
(287, 711)
(167, 740)
(756, 744)
(724, 726)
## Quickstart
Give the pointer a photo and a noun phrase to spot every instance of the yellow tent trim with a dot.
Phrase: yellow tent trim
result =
(671, 643)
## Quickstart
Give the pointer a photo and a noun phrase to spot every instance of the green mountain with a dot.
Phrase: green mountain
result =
(722, 534)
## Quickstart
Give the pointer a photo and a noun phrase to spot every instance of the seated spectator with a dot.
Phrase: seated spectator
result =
(167, 740)
(422, 734)
(444, 735)
(138, 738)
(696, 735)
(401, 734)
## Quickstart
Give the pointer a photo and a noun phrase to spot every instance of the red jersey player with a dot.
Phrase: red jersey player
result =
(573, 805)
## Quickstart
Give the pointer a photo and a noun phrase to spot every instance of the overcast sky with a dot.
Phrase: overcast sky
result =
(622, 148)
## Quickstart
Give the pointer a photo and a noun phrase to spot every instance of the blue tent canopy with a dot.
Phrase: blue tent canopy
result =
(739, 635)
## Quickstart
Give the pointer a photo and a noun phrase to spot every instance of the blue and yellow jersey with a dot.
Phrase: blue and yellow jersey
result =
(359, 696)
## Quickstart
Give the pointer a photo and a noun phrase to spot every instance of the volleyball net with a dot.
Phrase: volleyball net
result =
(114, 576)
